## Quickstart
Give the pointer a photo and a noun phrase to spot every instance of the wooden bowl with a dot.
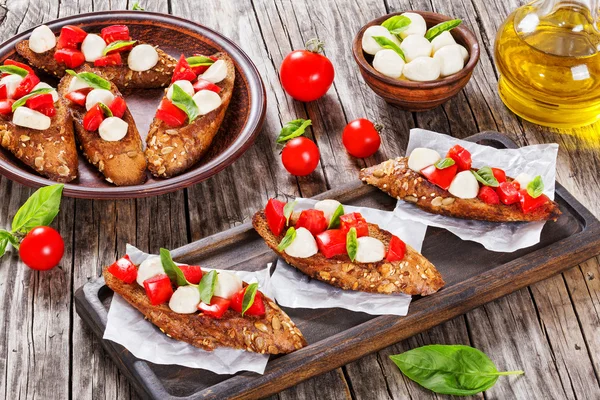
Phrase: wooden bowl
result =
(242, 123)
(417, 96)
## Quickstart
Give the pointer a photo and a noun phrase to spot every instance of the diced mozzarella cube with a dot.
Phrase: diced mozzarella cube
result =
(450, 59)
(207, 101)
(92, 47)
(328, 207)
(11, 82)
(422, 157)
(186, 86)
(42, 39)
(216, 72)
(99, 96)
(422, 69)
(415, 46)
(523, 180)
(151, 267)
(443, 39)
(44, 85)
(369, 250)
(304, 245)
(227, 285)
(113, 129)
(389, 63)
(28, 118)
(464, 185)
(185, 300)
(77, 84)
(369, 45)
(417, 26)
(464, 52)
(142, 58)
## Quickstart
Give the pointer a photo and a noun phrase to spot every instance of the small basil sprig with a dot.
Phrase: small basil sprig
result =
(174, 273)
(444, 163)
(438, 29)
(206, 287)
(249, 296)
(293, 129)
(137, 7)
(450, 369)
(31, 94)
(535, 188)
(486, 176)
(334, 222)
(107, 112)
(351, 244)
(396, 24)
(289, 237)
(91, 79)
(288, 209)
(116, 45)
(13, 70)
(199, 61)
(184, 101)
(388, 44)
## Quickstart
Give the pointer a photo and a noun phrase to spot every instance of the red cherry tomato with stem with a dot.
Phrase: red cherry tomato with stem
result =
(361, 138)
(42, 248)
(300, 156)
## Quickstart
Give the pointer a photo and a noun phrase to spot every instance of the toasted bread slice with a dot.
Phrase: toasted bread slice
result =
(120, 75)
(273, 333)
(171, 151)
(413, 275)
(52, 152)
(396, 179)
(122, 162)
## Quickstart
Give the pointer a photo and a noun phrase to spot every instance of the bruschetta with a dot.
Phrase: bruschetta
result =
(207, 309)
(344, 250)
(127, 63)
(450, 186)
(35, 124)
(104, 126)
(190, 114)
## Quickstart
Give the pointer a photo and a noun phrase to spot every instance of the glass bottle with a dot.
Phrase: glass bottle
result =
(548, 56)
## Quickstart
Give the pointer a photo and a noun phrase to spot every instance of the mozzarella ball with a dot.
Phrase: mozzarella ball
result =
(303, 246)
(417, 26)
(227, 285)
(523, 180)
(186, 86)
(389, 63)
(443, 39)
(42, 39)
(92, 47)
(464, 185)
(328, 207)
(99, 96)
(44, 85)
(207, 101)
(28, 118)
(113, 129)
(450, 59)
(422, 157)
(369, 250)
(11, 82)
(216, 72)
(415, 46)
(185, 300)
(77, 84)
(369, 45)
(151, 267)
(464, 52)
(142, 58)
(422, 69)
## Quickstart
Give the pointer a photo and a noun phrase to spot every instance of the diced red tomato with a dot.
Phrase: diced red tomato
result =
(158, 289)
(332, 242)
(93, 118)
(49, 111)
(183, 71)
(396, 250)
(257, 308)
(115, 32)
(528, 203)
(488, 195)
(6, 106)
(26, 67)
(118, 107)
(216, 308)
(499, 174)
(440, 177)
(70, 37)
(202, 68)
(170, 114)
(461, 157)
(508, 193)
(203, 84)
(78, 96)
(70, 57)
(3, 92)
(275, 217)
(26, 86)
(39, 101)
(109, 60)
(193, 273)
(124, 270)
(313, 220)
(354, 220)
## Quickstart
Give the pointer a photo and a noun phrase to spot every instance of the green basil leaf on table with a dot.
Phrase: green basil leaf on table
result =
(199, 61)
(535, 188)
(249, 296)
(107, 112)
(289, 237)
(91, 79)
(174, 273)
(35, 92)
(117, 44)
(13, 70)
(288, 209)
(450, 369)
(184, 101)
(485, 175)
(440, 28)
(334, 222)
(137, 7)
(388, 44)
(206, 287)
(351, 244)
(444, 163)
(396, 24)
(5, 238)
(39, 209)
(293, 129)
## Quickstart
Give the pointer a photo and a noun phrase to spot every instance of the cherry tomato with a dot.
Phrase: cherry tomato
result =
(306, 75)
(361, 138)
(42, 248)
(300, 156)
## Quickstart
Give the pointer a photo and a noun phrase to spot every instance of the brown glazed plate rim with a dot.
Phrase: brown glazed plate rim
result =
(251, 129)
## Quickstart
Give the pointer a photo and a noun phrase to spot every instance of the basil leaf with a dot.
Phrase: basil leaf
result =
(39, 209)
(206, 287)
(293, 129)
(535, 188)
(351, 244)
(5, 238)
(91, 79)
(388, 44)
(23, 99)
(438, 29)
(117, 44)
(174, 273)
(396, 24)
(486, 176)
(13, 70)
(444, 163)
(334, 222)
(249, 295)
(288, 209)
(184, 101)
(107, 112)
(137, 7)
(450, 369)
(289, 237)
(198, 61)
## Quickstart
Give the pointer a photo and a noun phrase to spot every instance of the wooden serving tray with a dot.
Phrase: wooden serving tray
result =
(474, 276)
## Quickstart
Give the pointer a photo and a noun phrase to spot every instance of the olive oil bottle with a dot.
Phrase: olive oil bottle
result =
(548, 57)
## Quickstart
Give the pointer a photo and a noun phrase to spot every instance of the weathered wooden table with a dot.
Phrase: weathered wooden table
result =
(551, 330)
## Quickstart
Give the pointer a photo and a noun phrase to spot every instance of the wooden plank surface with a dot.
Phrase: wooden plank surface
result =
(551, 330)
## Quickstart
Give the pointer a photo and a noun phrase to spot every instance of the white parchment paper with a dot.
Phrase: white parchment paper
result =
(501, 237)
(292, 288)
(127, 326)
